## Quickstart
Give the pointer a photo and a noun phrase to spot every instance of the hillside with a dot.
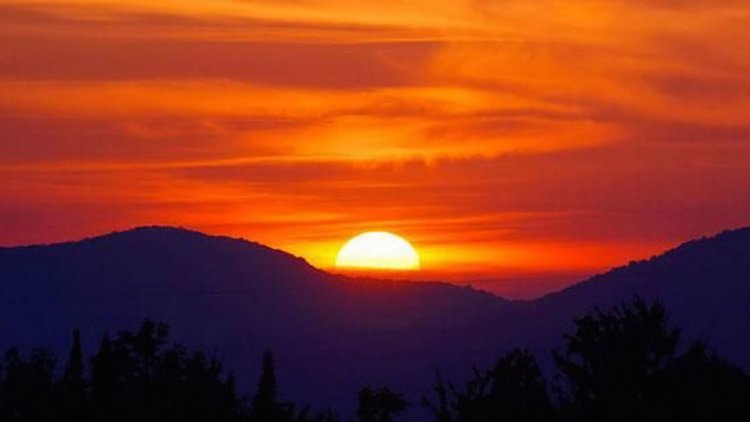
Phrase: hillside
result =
(705, 284)
(332, 334)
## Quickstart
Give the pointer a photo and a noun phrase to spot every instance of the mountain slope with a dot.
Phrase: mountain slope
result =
(705, 284)
(332, 334)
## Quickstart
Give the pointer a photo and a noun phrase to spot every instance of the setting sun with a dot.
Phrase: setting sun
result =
(378, 250)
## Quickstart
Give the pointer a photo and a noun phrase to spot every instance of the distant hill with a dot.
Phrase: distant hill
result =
(705, 284)
(332, 334)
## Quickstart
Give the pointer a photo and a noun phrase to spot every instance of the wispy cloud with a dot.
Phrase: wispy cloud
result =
(499, 136)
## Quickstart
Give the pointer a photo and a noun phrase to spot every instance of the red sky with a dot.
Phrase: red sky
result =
(514, 140)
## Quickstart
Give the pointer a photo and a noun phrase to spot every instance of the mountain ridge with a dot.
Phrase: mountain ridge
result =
(153, 231)
(240, 297)
(690, 246)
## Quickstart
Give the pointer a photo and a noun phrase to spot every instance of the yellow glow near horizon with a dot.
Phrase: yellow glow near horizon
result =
(378, 250)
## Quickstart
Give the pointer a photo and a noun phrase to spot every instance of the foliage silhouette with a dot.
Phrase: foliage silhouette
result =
(139, 376)
(611, 358)
(71, 395)
(513, 390)
(622, 365)
(27, 386)
(699, 385)
(266, 406)
(619, 364)
(441, 409)
(379, 404)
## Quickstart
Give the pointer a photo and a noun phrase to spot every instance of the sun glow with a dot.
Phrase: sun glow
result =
(378, 250)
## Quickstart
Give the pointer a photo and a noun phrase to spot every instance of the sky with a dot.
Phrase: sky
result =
(522, 143)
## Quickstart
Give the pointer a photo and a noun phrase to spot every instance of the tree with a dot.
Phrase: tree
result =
(699, 385)
(27, 388)
(72, 400)
(379, 405)
(514, 390)
(442, 409)
(266, 406)
(611, 360)
(140, 376)
(104, 382)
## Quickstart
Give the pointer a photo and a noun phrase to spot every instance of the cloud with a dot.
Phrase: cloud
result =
(499, 136)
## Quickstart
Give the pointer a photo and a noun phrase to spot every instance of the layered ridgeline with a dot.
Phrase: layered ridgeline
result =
(333, 334)
(329, 334)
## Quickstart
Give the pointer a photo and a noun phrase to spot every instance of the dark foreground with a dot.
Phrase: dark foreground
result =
(623, 364)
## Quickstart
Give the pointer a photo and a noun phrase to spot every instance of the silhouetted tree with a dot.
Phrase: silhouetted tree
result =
(140, 376)
(514, 390)
(265, 402)
(137, 376)
(442, 408)
(71, 396)
(620, 364)
(379, 405)
(266, 406)
(610, 360)
(700, 386)
(104, 383)
(27, 387)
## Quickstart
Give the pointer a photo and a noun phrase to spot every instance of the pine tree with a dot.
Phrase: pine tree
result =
(265, 407)
(72, 386)
(104, 382)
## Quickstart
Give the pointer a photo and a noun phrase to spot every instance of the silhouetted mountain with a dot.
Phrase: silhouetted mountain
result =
(332, 334)
(704, 283)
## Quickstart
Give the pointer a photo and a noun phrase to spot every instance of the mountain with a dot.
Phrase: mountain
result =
(331, 334)
(704, 283)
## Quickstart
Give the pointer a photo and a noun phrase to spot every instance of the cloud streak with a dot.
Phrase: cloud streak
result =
(503, 138)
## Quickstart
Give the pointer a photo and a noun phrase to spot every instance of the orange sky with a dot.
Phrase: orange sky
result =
(506, 139)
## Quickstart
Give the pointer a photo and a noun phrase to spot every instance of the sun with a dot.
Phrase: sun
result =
(379, 251)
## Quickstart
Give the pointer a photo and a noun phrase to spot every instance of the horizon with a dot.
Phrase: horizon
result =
(524, 287)
(513, 288)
